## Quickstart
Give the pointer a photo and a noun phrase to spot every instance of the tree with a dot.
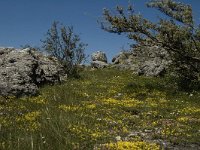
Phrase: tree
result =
(177, 34)
(62, 43)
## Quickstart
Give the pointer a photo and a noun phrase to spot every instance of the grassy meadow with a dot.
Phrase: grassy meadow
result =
(105, 109)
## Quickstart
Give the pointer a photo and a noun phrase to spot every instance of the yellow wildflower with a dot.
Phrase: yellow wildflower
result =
(124, 145)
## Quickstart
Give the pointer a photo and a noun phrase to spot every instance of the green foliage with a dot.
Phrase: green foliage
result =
(92, 111)
(62, 43)
(178, 34)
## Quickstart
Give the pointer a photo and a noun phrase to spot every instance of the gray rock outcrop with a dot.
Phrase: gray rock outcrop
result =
(148, 61)
(98, 64)
(23, 71)
(99, 60)
(99, 56)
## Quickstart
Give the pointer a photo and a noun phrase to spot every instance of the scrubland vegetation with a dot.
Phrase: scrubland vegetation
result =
(104, 109)
(108, 109)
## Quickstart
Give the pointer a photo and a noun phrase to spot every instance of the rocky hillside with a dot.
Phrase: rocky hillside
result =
(142, 60)
(22, 71)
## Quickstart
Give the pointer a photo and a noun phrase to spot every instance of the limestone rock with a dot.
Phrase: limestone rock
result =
(99, 60)
(99, 56)
(121, 58)
(98, 64)
(23, 71)
(148, 61)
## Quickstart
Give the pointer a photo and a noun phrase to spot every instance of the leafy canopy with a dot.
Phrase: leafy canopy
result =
(177, 34)
(62, 43)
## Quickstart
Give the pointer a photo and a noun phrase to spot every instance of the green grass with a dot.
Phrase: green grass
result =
(93, 112)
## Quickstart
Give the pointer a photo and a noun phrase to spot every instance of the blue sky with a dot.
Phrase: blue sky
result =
(27, 21)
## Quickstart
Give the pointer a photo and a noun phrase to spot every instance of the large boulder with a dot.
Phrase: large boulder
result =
(148, 61)
(22, 71)
(99, 60)
(122, 58)
(99, 64)
(99, 56)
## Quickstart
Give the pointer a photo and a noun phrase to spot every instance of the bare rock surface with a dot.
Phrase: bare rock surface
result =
(22, 71)
(99, 60)
(148, 61)
(98, 64)
(99, 56)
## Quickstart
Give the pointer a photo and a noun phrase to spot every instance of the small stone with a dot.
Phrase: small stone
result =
(191, 95)
(133, 134)
(119, 94)
(147, 131)
(118, 138)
